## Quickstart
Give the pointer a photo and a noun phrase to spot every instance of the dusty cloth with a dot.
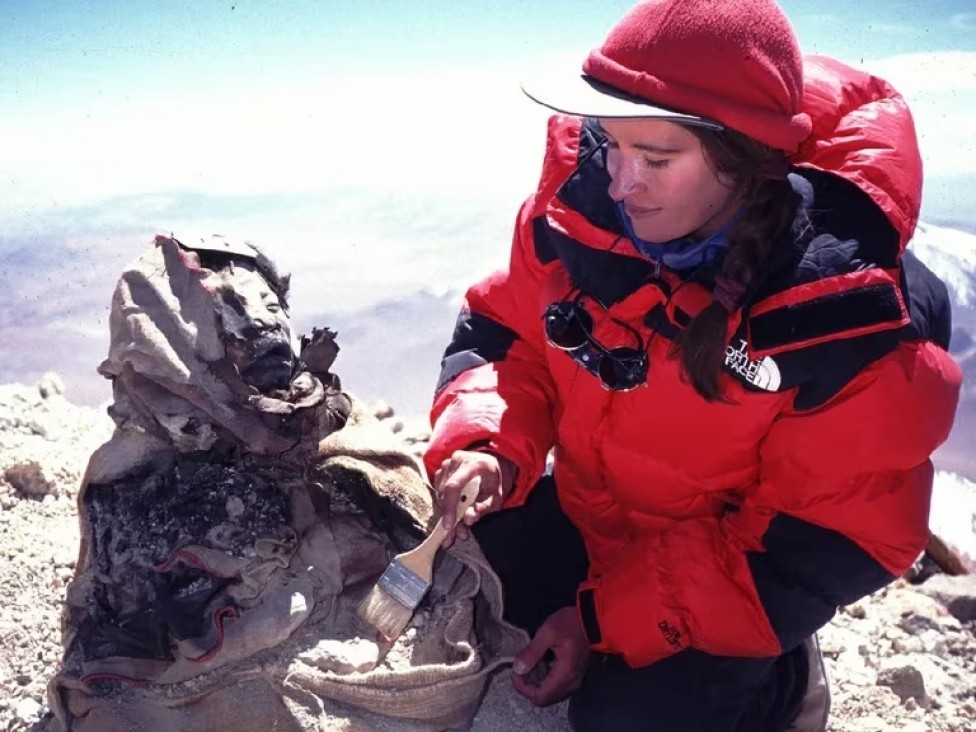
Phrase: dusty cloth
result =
(229, 533)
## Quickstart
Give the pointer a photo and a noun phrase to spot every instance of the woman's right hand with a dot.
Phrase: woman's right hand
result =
(497, 476)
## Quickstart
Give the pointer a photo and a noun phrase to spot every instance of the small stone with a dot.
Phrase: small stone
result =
(23, 679)
(381, 410)
(910, 644)
(357, 655)
(905, 681)
(27, 710)
(857, 610)
(918, 624)
(235, 507)
(958, 594)
(40, 428)
(837, 640)
(28, 478)
(50, 384)
(933, 642)
(913, 726)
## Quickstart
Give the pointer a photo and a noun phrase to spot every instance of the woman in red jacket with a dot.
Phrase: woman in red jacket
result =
(711, 323)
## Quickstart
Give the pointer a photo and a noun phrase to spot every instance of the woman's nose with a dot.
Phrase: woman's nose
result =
(625, 178)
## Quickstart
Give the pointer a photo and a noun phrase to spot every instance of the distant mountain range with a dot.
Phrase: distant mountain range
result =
(58, 277)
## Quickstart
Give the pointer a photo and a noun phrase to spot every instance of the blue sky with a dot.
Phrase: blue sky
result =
(106, 98)
(380, 147)
(95, 93)
(56, 53)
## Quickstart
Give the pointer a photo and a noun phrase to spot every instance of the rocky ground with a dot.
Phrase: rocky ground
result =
(903, 659)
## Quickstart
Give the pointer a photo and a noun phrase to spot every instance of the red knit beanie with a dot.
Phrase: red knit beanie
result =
(736, 62)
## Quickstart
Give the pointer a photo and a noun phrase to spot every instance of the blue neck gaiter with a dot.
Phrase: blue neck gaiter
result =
(679, 254)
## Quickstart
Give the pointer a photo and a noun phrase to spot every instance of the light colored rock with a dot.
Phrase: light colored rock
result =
(27, 710)
(356, 655)
(911, 644)
(235, 507)
(835, 640)
(50, 384)
(852, 666)
(934, 642)
(958, 594)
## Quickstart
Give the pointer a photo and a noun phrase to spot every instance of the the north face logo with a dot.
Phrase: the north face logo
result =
(763, 374)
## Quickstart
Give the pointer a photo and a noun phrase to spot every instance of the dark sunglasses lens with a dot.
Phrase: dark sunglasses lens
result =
(623, 369)
(567, 326)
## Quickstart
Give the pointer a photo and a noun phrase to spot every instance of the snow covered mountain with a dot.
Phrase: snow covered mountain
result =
(951, 254)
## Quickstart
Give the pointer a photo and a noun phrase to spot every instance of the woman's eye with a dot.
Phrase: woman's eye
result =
(656, 164)
(273, 307)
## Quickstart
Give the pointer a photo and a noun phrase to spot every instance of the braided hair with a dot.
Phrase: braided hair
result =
(758, 173)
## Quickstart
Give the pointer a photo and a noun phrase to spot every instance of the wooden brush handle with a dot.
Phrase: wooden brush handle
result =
(466, 498)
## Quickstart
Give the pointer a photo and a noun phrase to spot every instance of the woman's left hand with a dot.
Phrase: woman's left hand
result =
(562, 633)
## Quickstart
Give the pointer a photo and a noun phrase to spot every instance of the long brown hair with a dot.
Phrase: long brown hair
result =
(757, 173)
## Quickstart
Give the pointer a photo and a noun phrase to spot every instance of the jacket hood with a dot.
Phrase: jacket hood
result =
(863, 132)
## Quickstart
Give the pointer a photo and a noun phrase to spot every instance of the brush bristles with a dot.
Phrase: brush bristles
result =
(385, 613)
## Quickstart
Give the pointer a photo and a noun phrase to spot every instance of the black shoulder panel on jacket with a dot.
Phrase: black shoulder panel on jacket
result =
(928, 299)
(586, 189)
(605, 275)
(848, 233)
(826, 316)
(477, 340)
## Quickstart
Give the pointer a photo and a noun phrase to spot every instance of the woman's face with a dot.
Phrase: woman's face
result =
(660, 174)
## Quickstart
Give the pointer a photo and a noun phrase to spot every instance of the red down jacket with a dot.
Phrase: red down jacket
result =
(736, 528)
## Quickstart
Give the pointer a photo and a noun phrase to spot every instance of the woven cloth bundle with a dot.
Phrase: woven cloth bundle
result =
(236, 518)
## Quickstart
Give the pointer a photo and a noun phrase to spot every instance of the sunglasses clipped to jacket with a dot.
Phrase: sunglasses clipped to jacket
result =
(569, 327)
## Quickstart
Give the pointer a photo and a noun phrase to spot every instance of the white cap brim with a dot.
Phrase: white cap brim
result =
(584, 96)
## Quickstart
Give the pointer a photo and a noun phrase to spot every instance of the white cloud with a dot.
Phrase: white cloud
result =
(941, 89)
(932, 72)
(446, 132)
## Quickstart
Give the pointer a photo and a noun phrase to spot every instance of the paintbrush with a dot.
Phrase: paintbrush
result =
(392, 601)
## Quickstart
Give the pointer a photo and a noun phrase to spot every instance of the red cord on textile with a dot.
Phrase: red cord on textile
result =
(190, 559)
(218, 619)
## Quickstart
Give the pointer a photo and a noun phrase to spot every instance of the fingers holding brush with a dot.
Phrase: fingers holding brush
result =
(496, 475)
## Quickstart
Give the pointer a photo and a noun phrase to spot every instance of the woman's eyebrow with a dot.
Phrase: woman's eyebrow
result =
(656, 149)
